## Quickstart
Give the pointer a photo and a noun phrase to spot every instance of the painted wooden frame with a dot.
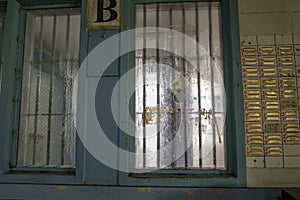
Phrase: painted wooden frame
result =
(12, 68)
(88, 169)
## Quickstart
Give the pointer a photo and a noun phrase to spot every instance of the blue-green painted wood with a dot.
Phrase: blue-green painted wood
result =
(90, 171)
(18, 79)
(7, 95)
(12, 61)
(160, 1)
(233, 79)
(94, 172)
(80, 150)
(95, 38)
(48, 192)
(46, 6)
(43, 2)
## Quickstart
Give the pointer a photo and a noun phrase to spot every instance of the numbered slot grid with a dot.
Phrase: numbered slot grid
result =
(271, 81)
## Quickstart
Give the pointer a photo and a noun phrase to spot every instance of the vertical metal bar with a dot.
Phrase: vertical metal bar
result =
(69, 97)
(70, 110)
(212, 85)
(74, 87)
(144, 83)
(15, 137)
(28, 84)
(71, 114)
(38, 90)
(51, 91)
(217, 126)
(158, 85)
(65, 65)
(198, 84)
(184, 74)
(173, 164)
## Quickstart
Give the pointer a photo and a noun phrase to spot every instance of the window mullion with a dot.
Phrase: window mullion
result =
(51, 92)
(144, 85)
(158, 86)
(65, 92)
(38, 90)
(198, 85)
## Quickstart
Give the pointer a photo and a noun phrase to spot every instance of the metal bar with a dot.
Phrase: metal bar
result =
(158, 85)
(31, 43)
(199, 85)
(65, 65)
(144, 83)
(51, 92)
(70, 118)
(178, 1)
(38, 88)
(40, 170)
(52, 62)
(52, 6)
(212, 84)
(154, 57)
(184, 74)
(43, 114)
(173, 164)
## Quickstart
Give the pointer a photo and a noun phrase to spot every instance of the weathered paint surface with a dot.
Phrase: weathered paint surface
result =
(45, 192)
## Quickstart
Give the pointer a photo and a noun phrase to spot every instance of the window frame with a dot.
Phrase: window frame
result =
(3, 6)
(10, 95)
(88, 170)
(15, 140)
(87, 167)
(235, 175)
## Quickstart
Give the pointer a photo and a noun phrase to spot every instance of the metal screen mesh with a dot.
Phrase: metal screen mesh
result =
(158, 109)
(48, 93)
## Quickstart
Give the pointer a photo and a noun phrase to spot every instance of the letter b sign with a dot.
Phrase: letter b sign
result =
(104, 14)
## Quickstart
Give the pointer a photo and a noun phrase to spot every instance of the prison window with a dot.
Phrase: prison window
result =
(174, 98)
(48, 91)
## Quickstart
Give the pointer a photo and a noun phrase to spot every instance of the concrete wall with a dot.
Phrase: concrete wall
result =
(269, 17)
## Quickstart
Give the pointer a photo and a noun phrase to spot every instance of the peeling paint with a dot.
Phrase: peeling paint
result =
(148, 115)
(61, 187)
(189, 193)
(221, 192)
(143, 189)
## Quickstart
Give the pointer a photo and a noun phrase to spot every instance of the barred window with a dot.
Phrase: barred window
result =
(164, 102)
(48, 92)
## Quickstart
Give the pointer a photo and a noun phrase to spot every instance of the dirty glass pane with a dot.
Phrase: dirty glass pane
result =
(48, 93)
(180, 100)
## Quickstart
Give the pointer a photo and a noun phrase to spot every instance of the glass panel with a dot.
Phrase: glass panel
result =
(180, 106)
(48, 95)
